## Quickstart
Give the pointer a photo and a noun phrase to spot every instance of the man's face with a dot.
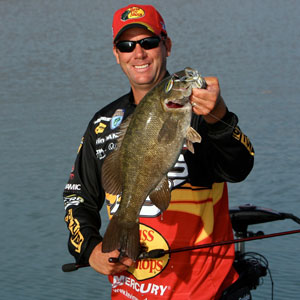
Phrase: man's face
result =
(144, 68)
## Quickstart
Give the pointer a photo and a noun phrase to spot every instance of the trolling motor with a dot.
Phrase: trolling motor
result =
(251, 266)
(245, 215)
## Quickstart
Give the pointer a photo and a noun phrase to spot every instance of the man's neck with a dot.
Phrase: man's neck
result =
(138, 94)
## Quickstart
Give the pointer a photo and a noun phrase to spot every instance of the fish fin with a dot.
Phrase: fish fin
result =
(122, 237)
(190, 146)
(168, 131)
(192, 136)
(161, 195)
(122, 130)
(110, 174)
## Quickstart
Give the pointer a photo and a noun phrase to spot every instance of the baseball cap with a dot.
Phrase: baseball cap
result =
(136, 15)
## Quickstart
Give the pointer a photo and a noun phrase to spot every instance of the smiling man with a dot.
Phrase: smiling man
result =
(198, 211)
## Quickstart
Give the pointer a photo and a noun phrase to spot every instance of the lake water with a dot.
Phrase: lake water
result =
(57, 69)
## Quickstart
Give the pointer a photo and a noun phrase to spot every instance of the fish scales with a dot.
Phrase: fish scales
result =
(146, 152)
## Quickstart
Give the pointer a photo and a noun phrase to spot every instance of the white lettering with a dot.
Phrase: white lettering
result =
(154, 289)
(178, 173)
(149, 209)
(72, 200)
(73, 187)
(100, 141)
(137, 287)
(128, 281)
(162, 289)
(148, 288)
(112, 146)
(112, 136)
(118, 281)
(100, 153)
(102, 119)
(133, 284)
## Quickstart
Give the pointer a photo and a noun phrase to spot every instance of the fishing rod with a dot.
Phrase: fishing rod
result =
(73, 267)
(157, 253)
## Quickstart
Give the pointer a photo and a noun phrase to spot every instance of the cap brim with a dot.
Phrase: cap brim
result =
(131, 25)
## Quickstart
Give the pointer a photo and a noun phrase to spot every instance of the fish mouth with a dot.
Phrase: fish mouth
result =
(176, 104)
(171, 104)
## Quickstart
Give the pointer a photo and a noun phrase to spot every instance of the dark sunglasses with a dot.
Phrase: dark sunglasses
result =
(146, 43)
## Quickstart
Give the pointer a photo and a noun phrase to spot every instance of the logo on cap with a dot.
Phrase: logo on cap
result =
(132, 13)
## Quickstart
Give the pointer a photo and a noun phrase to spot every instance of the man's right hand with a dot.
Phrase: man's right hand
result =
(99, 261)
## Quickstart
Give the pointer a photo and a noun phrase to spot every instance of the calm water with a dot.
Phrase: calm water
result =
(57, 69)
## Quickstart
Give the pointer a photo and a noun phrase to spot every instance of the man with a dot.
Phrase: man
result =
(198, 211)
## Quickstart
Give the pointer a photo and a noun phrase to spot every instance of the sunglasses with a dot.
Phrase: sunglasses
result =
(146, 43)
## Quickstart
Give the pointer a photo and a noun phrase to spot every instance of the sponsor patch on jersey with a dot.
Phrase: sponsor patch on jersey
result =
(121, 284)
(148, 268)
(100, 153)
(104, 119)
(100, 128)
(240, 136)
(102, 140)
(76, 238)
(72, 200)
(117, 118)
(73, 187)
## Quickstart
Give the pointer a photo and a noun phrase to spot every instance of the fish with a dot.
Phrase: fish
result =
(150, 142)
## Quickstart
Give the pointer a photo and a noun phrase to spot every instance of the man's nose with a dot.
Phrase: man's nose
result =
(139, 51)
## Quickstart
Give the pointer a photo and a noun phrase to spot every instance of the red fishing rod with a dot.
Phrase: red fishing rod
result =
(156, 253)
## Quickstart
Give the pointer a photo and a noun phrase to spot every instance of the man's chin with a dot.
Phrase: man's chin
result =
(144, 81)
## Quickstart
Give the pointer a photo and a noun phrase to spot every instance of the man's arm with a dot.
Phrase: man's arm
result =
(83, 198)
(225, 153)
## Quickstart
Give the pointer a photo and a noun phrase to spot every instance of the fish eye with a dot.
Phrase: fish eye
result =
(169, 85)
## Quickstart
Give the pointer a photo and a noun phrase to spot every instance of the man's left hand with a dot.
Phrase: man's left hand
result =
(208, 102)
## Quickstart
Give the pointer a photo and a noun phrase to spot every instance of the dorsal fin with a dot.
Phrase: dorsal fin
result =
(111, 173)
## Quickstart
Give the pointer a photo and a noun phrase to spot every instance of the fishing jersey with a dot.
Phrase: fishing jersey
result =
(197, 214)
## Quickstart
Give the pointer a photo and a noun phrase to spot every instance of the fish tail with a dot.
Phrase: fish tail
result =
(122, 237)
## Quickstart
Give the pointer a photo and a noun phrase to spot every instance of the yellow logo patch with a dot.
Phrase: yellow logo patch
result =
(238, 135)
(100, 128)
(74, 227)
(148, 268)
(132, 13)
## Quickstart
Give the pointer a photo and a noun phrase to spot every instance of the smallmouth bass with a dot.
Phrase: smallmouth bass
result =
(150, 142)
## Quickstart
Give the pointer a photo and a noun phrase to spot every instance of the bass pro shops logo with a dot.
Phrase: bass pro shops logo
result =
(132, 13)
(149, 268)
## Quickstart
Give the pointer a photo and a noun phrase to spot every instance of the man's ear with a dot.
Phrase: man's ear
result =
(116, 54)
(168, 44)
